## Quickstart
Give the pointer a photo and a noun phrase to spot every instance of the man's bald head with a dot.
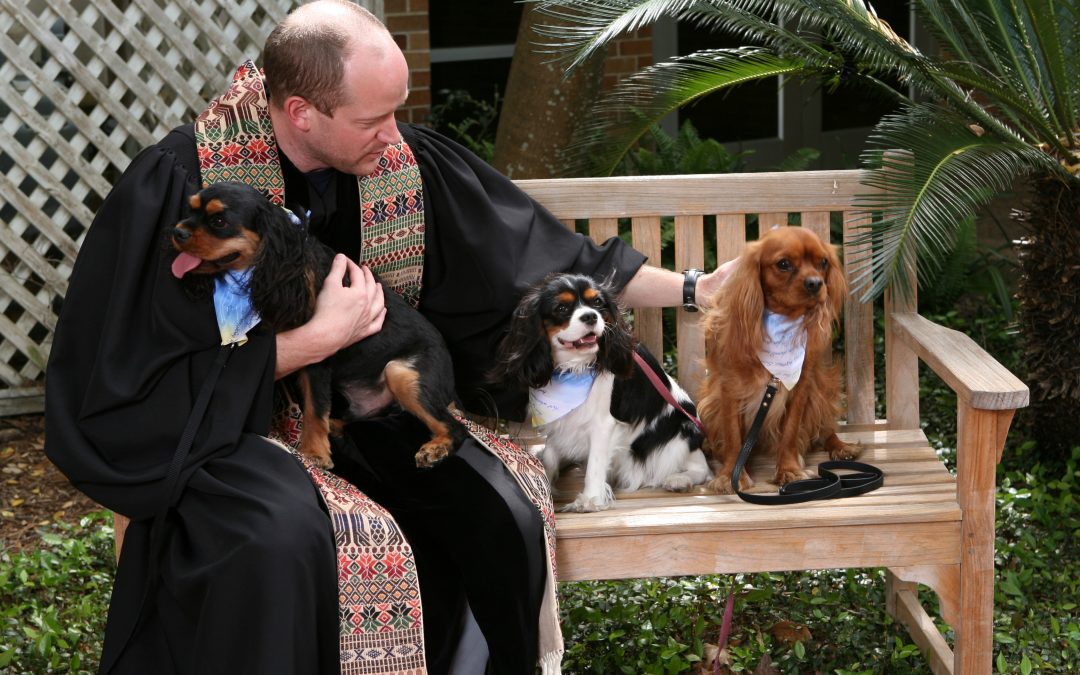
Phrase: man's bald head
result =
(305, 54)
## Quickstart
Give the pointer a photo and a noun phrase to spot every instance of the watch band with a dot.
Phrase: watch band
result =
(689, 289)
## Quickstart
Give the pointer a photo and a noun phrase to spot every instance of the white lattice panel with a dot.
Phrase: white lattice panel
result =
(83, 86)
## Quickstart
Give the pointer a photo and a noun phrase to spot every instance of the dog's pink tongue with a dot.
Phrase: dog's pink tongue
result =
(184, 263)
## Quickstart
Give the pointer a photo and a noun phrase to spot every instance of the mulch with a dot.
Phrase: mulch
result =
(33, 492)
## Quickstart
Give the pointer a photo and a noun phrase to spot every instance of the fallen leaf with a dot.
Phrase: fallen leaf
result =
(788, 632)
(7, 452)
(7, 514)
(17, 502)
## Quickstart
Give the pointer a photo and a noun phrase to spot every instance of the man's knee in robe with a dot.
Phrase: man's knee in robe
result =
(292, 534)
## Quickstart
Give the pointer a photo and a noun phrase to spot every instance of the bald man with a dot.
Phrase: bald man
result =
(229, 564)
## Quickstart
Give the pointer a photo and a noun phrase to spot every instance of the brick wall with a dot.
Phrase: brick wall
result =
(407, 21)
(627, 55)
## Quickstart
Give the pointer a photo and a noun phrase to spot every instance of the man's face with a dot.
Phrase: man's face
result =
(353, 140)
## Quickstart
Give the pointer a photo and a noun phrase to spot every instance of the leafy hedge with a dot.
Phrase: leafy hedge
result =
(53, 600)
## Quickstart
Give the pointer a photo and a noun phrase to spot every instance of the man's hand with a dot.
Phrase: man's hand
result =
(709, 284)
(657, 287)
(345, 312)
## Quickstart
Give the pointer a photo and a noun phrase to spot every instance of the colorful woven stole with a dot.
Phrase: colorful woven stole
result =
(381, 616)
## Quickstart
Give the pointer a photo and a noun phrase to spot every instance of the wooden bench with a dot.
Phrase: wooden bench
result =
(925, 525)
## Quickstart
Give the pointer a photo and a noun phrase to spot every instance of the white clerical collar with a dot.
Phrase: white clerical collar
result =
(783, 349)
(566, 391)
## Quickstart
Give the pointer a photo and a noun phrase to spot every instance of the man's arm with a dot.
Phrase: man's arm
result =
(343, 315)
(657, 287)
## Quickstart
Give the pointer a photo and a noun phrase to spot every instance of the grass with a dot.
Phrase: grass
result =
(53, 600)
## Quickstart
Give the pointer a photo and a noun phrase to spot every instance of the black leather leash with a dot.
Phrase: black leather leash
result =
(828, 484)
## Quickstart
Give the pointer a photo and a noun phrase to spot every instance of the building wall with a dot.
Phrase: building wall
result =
(407, 21)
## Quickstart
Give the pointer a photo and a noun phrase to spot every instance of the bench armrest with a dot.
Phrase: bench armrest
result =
(977, 378)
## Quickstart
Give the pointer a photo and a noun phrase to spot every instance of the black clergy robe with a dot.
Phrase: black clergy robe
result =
(247, 577)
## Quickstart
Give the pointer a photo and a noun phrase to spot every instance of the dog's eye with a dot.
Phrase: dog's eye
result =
(217, 222)
(824, 263)
(784, 265)
(597, 302)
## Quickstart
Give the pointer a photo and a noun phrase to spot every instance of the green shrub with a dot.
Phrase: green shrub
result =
(53, 600)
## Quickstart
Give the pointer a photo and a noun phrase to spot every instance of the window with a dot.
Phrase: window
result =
(472, 43)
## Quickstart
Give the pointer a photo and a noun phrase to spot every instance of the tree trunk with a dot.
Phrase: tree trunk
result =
(541, 107)
(1049, 293)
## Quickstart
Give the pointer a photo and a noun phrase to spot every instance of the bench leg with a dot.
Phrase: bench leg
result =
(980, 439)
(902, 603)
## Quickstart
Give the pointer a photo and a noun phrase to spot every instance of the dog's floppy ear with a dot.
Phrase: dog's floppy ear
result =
(836, 283)
(744, 299)
(617, 346)
(523, 359)
(281, 283)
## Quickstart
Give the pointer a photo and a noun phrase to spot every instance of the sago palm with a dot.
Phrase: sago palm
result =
(999, 100)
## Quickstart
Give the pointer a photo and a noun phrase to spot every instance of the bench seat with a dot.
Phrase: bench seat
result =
(914, 518)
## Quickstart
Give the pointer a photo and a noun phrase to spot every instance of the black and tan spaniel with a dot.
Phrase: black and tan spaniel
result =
(231, 226)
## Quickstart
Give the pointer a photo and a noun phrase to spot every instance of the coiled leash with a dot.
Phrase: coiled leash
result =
(828, 484)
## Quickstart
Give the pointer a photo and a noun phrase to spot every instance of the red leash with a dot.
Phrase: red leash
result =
(664, 391)
(729, 606)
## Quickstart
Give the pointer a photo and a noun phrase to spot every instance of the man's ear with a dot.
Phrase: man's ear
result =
(298, 111)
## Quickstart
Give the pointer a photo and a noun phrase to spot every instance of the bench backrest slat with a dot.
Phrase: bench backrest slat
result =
(813, 199)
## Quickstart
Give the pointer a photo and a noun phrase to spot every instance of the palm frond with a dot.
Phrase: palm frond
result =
(621, 117)
(927, 172)
(1047, 34)
(587, 27)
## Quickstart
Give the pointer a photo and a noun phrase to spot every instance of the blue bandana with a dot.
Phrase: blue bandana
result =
(566, 391)
(232, 304)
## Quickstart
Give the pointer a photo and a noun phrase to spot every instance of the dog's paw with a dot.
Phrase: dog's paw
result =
(317, 449)
(433, 452)
(585, 504)
(321, 460)
(842, 450)
(721, 483)
(678, 482)
(785, 475)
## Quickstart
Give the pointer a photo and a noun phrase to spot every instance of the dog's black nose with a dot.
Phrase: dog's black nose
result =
(180, 234)
(814, 284)
(588, 318)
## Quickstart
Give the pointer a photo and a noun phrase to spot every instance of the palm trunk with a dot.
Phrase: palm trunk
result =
(1049, 293)
(542, 107)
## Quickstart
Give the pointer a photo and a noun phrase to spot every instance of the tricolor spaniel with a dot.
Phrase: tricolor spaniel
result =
(570, 346)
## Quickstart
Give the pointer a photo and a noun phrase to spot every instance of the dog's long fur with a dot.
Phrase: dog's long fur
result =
(232, 226)
(625, 432)
(789, 271)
